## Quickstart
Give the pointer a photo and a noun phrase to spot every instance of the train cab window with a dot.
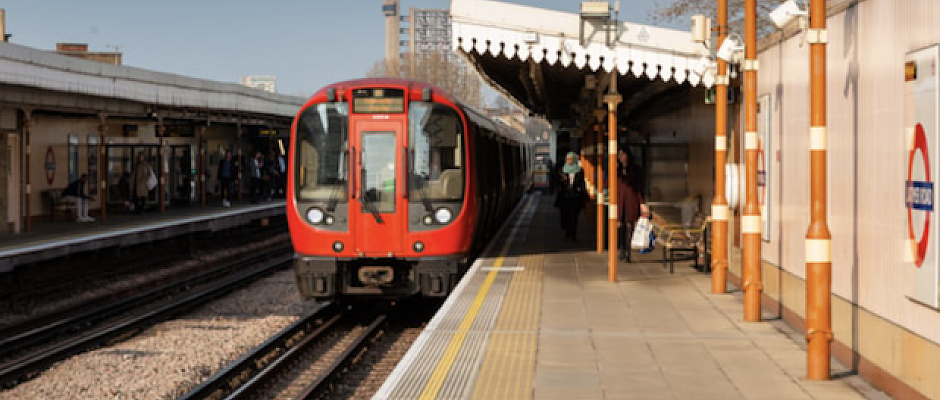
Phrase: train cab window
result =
(436, 159)
(322, 151)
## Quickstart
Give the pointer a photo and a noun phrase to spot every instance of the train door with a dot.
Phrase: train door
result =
(381, 211)
(13, 179)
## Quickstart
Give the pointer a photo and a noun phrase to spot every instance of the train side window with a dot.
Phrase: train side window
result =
(436, 161)
(321, 159)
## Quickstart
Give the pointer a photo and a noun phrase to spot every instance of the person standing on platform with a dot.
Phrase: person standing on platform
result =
(572, 194)
(255, 165)
(630, 185)
(75, 192)
(226, 175)
(142, 173)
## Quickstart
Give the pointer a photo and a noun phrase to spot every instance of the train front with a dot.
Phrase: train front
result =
(377, 205)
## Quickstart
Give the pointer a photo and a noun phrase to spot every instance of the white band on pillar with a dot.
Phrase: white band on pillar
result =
(750, 224)
(750, 65)
(909, 131)
(719, 212)
(721, 144)
(103, 183)
(817, 36)
(612, 147)
(611, 212)
(818, 250)
(27, 188)
(722, 80)
(817, 138)
(750, 141)
(600, 198)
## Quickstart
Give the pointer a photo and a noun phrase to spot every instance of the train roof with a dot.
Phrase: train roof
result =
(496, 128)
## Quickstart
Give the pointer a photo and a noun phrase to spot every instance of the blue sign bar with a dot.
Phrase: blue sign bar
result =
(919, 195)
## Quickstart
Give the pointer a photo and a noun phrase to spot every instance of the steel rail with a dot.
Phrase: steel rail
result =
(21, 367)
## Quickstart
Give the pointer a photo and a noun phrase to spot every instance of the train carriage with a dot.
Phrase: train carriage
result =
(394, 187)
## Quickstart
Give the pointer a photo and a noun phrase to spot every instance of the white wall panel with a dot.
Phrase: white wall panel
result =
(866, 165)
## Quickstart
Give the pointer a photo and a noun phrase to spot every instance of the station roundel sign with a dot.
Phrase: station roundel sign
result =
(919, 195)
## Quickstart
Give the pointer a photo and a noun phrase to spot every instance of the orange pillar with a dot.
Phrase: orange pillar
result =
(612, 100)
(599, 174)
(750, 221)
(720, 203)
(587, 162)
(818, 239)
(103, 170)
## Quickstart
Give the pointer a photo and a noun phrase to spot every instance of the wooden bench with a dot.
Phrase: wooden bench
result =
(57, 203)
(679, 242)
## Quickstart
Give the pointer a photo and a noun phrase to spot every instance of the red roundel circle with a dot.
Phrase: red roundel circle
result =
(920, 144)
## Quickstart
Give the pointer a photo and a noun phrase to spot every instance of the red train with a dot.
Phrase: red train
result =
(394, 187)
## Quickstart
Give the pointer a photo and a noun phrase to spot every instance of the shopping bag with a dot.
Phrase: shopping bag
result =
(641, 234)
(151, 181)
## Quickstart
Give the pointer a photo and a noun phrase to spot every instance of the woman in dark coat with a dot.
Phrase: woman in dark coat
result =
(571, 196)
(630, 185)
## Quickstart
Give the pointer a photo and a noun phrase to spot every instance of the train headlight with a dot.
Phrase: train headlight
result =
(315, 215)
(428, 220)
(329, 220)
(443, 215)
(337, 246)
(419, 247)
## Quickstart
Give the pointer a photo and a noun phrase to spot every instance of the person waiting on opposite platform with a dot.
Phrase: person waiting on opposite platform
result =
(226, 176)
(142, 172)
(75, 192)
(572, 195)
(255, 173)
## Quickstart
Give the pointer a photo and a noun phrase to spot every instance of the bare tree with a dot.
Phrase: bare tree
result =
(682, 10)
(443, 69)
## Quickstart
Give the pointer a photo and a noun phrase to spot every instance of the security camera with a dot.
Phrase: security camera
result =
(784, 13)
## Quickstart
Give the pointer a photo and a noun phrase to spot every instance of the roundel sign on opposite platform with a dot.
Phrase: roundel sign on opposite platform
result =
(49, 165)
(919, 196)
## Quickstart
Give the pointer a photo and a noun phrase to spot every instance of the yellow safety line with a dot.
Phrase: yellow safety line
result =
(508, 372)
(456, 342)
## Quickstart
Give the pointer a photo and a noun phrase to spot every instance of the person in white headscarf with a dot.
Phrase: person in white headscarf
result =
(571, 196)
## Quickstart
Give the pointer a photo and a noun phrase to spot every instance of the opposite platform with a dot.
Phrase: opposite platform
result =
(536, 318)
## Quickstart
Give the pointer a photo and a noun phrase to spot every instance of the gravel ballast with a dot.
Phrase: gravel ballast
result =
(170, 358)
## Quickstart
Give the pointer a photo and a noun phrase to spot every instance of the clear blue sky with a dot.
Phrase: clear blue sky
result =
(305, 43)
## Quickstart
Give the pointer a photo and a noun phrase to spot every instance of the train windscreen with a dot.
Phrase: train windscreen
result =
(436, 153)
(322, 153)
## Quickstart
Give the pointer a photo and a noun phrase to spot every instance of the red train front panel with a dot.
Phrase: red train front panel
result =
(378, 203)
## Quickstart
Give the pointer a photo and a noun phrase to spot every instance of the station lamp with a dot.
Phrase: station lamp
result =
(732, 49)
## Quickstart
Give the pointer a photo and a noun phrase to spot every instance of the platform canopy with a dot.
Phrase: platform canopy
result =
(537, 58)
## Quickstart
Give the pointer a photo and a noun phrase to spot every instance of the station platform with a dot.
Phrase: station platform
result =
(51, 239)
(537, 318)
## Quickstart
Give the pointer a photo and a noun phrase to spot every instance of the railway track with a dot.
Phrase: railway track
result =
(86, 327)
(332, 352)
(300, 362)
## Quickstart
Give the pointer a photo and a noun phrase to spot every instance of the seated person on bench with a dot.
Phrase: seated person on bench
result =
(75, 192)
